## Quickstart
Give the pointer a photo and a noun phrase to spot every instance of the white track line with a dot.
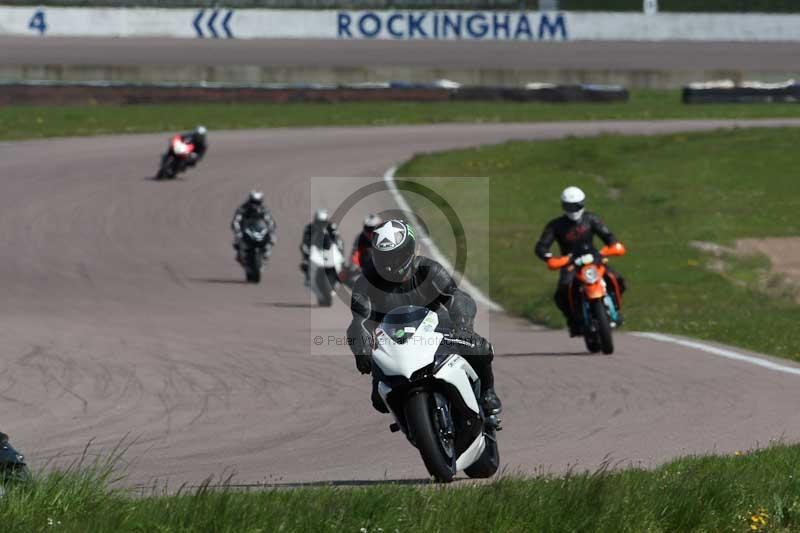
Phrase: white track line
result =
(721, 352)
(436, 254)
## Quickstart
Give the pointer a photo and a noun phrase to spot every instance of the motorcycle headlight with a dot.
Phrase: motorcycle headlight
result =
(591, 275)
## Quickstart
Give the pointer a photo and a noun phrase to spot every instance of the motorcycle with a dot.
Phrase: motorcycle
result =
(12, 464)
(325, 265)
(176, 159)
(253, 248)
(598, 307)
(433, 395)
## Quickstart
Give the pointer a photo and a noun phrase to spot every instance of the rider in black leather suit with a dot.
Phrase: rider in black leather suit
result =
(574, 231)
(396, 276)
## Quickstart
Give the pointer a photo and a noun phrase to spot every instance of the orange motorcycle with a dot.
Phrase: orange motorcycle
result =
(598, 300)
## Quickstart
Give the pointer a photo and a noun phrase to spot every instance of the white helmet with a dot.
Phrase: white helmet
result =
(371, 222)
(573, 201)
(201, 130)
(321, 215)
(256, 197)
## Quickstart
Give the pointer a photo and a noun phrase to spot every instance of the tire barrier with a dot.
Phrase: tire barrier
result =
(79, 93)
(728, 92)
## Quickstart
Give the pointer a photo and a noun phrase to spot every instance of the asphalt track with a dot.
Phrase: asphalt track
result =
(123, 314)
(295, 53)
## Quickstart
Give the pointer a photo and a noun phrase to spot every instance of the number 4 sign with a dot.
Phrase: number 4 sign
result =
(38, 22)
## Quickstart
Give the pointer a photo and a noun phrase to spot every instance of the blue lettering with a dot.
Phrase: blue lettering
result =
(38, 23)
(436, 25)
(481, 30)
(390, 25)
(455, 26)
(523, 27)
(415, 25)
(497, 25)
(343, 26)
(552, 27)
(376, 25)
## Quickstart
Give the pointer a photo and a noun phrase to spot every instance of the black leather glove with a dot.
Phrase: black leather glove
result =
(363, 363)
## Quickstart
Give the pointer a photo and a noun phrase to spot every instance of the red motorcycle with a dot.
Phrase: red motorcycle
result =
(177, 159)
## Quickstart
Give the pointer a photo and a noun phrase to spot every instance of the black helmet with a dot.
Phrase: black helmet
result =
(394, 246)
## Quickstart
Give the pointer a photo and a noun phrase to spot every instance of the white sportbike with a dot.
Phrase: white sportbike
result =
(324, 267)
(433, 394)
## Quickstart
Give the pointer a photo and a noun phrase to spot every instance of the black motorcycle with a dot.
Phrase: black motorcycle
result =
(253, 248)
(12, 463)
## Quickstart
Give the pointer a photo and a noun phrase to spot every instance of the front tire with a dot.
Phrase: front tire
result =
(419, 417)
(592, 342)
(253, 269)
(488, 463)
(600, 315)
(325, 298)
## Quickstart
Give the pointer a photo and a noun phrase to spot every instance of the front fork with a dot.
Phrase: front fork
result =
(611, 307)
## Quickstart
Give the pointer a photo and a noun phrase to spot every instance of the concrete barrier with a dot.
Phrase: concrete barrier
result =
(225, 23)
(748, 92)
(251, 74)
(45, 93)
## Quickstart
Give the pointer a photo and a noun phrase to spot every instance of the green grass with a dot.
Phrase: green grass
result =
(24, 122)
(716, 493)
(657, 194)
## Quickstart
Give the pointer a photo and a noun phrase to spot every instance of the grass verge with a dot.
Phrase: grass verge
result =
(25, 122)
(746, 492)
(657, 194)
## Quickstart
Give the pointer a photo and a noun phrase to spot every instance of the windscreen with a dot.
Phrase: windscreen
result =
(407, 316)
(256, 225)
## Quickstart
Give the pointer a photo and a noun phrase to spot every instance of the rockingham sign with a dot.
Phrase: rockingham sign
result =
(225, 23)
(451, 25)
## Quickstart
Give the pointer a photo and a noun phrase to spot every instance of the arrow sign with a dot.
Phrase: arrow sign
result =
(210, 24)
(196, 23)
(225, 22)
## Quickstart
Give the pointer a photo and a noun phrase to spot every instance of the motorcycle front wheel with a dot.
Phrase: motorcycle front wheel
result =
(488, 463)
(253, 268)
(437, 450)
(600, 315)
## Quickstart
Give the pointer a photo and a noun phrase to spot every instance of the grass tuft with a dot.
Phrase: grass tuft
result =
(755, 491)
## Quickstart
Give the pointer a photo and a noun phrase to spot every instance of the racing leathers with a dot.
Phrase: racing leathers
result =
(247, 211)
(362, 247)
(316, 233)
(431, 286)
(573, 238)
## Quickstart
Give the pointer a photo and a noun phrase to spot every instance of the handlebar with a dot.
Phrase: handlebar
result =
(557, 263)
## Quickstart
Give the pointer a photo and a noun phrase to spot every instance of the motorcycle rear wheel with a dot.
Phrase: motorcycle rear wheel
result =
(419, 413)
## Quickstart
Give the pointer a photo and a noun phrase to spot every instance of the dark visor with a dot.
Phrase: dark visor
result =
(572, 207)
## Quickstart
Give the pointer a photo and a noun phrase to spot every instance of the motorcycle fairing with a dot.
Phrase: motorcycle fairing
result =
(461, 375)
(471, 454)
(415, 353)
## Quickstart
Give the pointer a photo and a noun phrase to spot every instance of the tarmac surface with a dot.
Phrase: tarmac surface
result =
(296, 53)
(124, 314)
